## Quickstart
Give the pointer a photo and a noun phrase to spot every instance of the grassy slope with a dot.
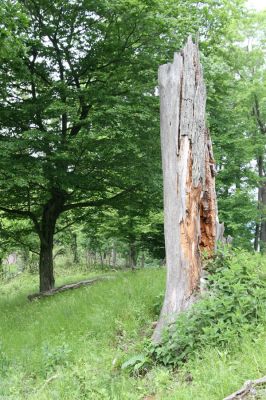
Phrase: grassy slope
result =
(71, 346)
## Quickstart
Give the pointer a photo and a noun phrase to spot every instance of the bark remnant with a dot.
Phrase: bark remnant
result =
(190, 210)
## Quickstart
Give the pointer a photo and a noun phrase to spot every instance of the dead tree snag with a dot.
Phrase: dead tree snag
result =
(190, 211)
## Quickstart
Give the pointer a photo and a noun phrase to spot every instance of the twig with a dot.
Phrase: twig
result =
(52, 378)
(247, 389)
(66, 287)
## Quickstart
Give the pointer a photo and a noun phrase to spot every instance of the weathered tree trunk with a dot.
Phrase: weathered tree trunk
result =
(190, 211)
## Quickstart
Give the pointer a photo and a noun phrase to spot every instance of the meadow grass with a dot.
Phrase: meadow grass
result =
(72, 345)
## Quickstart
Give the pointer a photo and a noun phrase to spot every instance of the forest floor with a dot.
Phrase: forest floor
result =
(72, 345)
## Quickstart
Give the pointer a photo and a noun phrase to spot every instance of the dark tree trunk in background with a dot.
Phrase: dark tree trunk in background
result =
(257, 237)
(263, 220)
(51, 212)
(132, 255)
(142, 260)
(101, 258)
(25, 259)
(260, 233)
(113, 255)
(190, 211)
(75, 249)
(262, 205)
(1, 268)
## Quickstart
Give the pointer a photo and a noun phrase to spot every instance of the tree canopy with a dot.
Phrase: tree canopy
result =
(79, 118)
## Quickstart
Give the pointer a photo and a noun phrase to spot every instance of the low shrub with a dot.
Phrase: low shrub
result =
(233, 306)
(54, 357)
(4, 362)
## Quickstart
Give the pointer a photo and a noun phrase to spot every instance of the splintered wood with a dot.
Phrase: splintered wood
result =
(190, 211)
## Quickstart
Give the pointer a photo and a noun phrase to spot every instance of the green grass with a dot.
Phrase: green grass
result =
(72, 345)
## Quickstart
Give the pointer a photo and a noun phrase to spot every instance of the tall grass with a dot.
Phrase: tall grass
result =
(72, 345)
(90, 329)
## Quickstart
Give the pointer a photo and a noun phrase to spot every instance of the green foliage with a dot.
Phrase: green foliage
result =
(81, 336)
(4, 362)
(55, 357)
(79, 109)
(235, 75)
(234, 306)
(137, 364)
(157, 305)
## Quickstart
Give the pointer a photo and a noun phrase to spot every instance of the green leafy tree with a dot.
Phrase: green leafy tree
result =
(79, 119)
(236, 97)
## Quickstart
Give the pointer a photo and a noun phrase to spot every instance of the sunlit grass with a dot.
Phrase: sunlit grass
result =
(72, 345)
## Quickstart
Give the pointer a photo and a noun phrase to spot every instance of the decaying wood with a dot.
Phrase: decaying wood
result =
(69, 286)
(190, 211)
(249, 388)
(49, 380)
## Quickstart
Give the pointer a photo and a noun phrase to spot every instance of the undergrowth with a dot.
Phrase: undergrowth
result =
(232, 307)
(73, 345)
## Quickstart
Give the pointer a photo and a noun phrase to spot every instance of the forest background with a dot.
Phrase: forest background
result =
(80, 112)
(81, 196)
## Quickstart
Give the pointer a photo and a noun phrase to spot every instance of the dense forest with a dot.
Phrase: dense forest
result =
(81, 201)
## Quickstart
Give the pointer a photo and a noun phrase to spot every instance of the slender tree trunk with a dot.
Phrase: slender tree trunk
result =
(127, 261)
(260, 233)
(1, 268)
(75, 249)
(142, 260)
(132, 255)
(261, 229)
(263, 220)
(262, 204)
(110, 258)
(190, 211)
(25, 259)
(101, 258)
(113, 256)
(257, 237)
